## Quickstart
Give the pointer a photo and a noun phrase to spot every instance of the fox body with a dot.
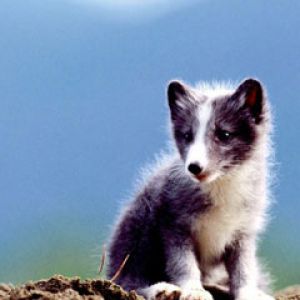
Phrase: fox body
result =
(197, 219)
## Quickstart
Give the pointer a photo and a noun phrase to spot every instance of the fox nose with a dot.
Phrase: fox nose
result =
(194, 168)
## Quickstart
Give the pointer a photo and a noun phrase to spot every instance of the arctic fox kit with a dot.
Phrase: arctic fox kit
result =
(197, 219)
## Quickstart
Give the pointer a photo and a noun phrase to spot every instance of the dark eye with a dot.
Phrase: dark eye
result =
(223, 135)
(188, 136)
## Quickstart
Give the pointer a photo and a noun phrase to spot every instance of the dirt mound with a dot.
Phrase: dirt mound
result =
(290, 293)
(61, 288)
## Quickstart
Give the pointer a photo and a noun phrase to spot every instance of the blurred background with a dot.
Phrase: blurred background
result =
(82, 109)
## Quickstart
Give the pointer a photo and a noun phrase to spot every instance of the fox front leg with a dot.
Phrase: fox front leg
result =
(241, 264)
(182, 268)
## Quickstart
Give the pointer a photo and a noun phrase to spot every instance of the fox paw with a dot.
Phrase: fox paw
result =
(264, 296)
(162, 291)
(254, 294)
(195, 294)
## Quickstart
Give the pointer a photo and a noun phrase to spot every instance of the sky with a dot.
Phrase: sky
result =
(83, 109)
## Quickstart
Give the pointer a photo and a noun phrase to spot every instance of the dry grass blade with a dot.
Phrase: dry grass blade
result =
(102, 260)
(120, 268)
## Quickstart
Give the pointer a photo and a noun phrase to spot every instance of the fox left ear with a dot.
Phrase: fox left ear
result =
(180, 99)
(251, 95)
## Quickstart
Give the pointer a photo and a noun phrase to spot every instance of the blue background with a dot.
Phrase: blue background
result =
(82, 109)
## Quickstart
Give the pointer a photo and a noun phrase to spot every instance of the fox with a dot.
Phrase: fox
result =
(196, 221)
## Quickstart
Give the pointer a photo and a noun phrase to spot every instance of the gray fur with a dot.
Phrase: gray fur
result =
(164, 227)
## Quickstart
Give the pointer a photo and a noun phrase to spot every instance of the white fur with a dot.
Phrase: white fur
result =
(195, 294)
(192, 277)
(168, 290)
(238, 206)
(198, 150)
(152, 291)
(250, 293)
(214, 89)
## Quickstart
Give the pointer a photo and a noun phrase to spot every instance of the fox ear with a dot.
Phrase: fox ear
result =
(251, 96)
(179, 97)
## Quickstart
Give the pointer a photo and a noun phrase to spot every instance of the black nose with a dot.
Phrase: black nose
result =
(194, 168)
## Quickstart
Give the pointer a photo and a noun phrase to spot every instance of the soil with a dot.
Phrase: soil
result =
(62, 288)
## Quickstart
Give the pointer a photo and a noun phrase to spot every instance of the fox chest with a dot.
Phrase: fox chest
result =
(216, 229)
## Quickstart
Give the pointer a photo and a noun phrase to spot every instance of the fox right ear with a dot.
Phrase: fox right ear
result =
(179, 97)
(250, 94)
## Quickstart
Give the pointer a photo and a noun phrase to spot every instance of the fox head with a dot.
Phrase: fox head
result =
(216, 128)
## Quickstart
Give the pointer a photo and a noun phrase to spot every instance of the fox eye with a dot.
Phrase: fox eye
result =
(188, 136)
(223, 135)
